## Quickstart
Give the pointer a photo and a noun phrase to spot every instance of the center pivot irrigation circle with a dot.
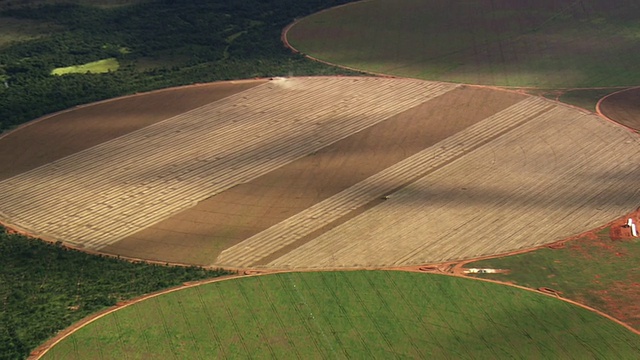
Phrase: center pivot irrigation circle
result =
(317, 172)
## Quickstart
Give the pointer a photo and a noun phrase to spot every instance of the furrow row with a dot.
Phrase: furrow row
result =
(117, 156)
(114, 189)
(392, 215)
(512, 225)
(520, 191)
(253, 168)
(298, 226)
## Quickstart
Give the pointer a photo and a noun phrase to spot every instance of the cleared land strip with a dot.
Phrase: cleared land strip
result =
(39, 142)
(558, 175)
(96, 197)
(199, 234)
(257, 247)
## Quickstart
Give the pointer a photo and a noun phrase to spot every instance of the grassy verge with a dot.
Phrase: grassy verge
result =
(94, 67)
(45, 288)
(587, 98)
(593, 270)
(582, 98)
(339, 315)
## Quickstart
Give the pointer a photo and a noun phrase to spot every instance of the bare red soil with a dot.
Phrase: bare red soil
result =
(620, 230)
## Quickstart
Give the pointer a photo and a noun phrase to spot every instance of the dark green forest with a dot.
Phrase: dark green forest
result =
(158, 44)
(46, 287)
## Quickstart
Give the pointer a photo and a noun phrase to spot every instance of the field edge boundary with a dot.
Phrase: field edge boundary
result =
(126, 96)
(601, 114)
(287, 44)
(41, 350)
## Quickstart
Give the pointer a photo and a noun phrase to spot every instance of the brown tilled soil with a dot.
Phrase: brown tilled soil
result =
(61, 134)
(199, 234)
(623, 107)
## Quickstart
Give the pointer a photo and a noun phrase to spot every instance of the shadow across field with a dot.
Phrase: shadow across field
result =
(529, 169)
(508, 43)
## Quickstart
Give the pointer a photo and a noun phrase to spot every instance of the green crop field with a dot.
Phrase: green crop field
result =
(598, 272)
(363, 314)
(45, 288)
(549, 43)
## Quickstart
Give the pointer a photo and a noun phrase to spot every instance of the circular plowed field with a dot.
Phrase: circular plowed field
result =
(345, 315)
(318, 173)
(622, 107)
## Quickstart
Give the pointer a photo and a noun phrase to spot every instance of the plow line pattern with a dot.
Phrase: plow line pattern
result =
(287, 232)
(513, 192)
(100, 195)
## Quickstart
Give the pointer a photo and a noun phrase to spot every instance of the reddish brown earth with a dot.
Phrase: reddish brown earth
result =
(199, 234)
(58, 135)
(616, 297)
(619, 229)
(622, 107)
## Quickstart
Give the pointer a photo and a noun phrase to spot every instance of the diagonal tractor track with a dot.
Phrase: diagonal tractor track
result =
(405, 172)
(254, 249)
(96, 197)
(557, 175)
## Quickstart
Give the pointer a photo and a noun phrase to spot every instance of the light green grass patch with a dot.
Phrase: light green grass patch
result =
(361, 314)
(95, 67)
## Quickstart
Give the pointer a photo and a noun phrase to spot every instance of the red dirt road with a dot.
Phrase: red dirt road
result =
(622, 107)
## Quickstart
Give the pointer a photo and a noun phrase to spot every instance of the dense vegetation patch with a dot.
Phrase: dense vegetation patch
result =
(45, 288)
(158, 44)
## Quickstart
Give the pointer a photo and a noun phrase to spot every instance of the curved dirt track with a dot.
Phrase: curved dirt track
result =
(336, 172)
(622, 107)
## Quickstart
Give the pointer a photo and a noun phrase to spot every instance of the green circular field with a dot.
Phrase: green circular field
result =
(363, 314)
(545, 43)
